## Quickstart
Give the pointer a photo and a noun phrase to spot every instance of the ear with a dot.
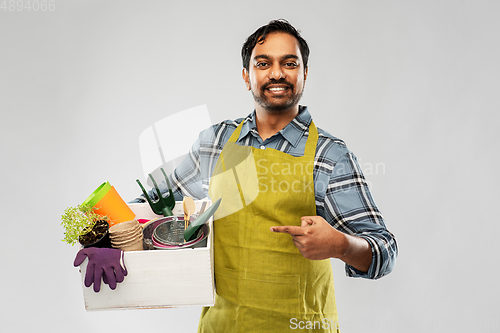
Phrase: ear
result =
(246, 78)
(305, 73)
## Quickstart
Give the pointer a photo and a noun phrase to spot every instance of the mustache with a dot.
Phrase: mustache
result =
(280, 81)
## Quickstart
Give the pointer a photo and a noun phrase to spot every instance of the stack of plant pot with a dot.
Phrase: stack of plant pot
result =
(127, 236)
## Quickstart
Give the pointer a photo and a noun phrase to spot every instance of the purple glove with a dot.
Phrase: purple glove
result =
(103, 262)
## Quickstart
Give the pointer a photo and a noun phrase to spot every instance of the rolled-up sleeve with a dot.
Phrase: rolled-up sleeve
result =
(350, 208)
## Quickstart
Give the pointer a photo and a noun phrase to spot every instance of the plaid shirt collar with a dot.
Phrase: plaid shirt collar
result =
(292, 132)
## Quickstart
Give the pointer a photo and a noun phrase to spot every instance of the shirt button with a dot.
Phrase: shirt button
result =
(262, 147)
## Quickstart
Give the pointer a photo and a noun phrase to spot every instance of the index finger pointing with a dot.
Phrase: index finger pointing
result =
(288, 229)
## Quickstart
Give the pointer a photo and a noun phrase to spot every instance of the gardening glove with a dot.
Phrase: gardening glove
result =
(103, 262)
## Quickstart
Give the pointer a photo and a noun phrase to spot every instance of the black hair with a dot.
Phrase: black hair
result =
(260, 34)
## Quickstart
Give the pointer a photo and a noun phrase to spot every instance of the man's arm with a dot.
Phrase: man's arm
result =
(350, 208)
(351, 229)
(316, 239)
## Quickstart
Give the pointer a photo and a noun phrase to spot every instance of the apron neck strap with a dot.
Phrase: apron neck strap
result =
(236, 134)
(312, 139)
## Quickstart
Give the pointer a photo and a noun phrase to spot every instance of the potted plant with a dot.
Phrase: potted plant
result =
(82, 224)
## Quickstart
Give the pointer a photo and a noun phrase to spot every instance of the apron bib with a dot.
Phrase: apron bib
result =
(263, 283)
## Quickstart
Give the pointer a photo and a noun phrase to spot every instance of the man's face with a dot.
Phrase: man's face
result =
(276, 74)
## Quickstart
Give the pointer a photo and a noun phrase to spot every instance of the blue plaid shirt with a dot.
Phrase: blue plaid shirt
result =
(342, 194)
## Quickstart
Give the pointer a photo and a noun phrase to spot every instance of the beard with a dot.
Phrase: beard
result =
(277, 104)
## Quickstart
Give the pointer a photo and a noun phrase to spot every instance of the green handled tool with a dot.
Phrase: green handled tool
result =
(163, 206)
(190, 232)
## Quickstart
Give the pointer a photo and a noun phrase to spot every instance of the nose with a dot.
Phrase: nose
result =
(276, 72)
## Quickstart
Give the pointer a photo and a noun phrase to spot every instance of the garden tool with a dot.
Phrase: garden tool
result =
(189, 207)
(163, 206)
(190, 232)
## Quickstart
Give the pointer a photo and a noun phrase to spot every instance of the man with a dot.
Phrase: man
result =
(293, 196)
(271, 282)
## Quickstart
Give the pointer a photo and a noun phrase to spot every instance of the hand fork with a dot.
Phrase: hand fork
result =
(163, 206)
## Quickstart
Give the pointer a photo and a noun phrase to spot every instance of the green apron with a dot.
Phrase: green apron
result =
(263, 283)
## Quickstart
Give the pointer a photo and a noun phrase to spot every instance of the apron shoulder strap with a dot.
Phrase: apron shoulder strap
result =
(236, 134)
(312, 141)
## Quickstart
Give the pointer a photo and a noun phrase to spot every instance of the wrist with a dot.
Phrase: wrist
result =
(357, 253)
(339, 245)
(344, 247)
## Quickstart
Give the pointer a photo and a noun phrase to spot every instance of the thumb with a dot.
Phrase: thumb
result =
(80, 257)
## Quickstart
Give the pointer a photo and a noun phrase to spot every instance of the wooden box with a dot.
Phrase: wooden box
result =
(159, 278)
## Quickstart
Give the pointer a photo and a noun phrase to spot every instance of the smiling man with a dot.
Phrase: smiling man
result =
(272, 257)
(308, 203)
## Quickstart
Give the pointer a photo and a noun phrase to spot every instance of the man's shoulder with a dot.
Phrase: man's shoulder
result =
(325, 137)
(219, 131)
(228, 123)
(232, 123)
(330, 146)
(329, 137)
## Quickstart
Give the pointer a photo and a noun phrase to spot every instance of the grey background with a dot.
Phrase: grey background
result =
(411, 86)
